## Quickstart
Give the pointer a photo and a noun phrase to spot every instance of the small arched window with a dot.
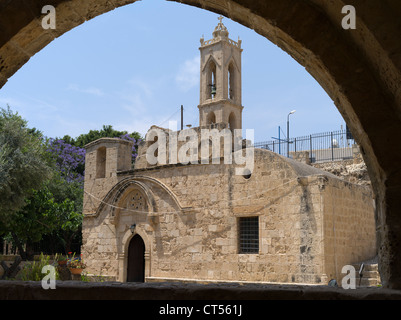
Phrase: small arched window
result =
(101, 163)
(211, 81)
(211, 118)
(231, 81)
(232, 121)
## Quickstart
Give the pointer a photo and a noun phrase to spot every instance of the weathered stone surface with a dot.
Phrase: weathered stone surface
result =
(354, 172)
(359, 69)
(76, 290)
(192, 233)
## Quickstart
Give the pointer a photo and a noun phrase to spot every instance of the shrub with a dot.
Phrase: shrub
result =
(32, 271)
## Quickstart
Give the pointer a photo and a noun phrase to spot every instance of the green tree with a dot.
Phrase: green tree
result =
(23, 165)
(106, 132)
(42, 215)
(54, 211)
(67, 192)
(48, 204)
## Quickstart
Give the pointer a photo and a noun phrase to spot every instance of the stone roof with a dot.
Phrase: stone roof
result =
(301, 169)
(304, 170)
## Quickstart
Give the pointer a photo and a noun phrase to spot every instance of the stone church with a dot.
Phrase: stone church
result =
(283, 221)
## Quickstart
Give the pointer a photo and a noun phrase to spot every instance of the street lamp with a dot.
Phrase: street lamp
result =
(288, 132)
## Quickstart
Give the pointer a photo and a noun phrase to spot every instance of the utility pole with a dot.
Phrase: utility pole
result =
(182, 117)
(279, 141)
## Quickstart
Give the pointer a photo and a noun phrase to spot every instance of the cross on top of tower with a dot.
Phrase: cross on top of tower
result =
(220, 29)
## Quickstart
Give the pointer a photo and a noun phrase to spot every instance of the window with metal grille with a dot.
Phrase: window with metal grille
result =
(248, 235)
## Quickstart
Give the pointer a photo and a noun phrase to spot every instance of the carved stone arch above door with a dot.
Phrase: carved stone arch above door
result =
(132, 196)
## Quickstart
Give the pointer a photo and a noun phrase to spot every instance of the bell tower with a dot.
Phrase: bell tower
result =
(220, 81)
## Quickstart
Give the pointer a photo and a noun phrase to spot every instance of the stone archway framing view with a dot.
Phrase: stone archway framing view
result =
(360, 69)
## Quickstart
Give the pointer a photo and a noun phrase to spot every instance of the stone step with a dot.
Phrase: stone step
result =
(370, 275)
(367, 267)
(367, 282)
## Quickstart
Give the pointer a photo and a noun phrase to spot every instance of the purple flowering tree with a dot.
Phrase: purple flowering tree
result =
(70, 160)
(134, 147)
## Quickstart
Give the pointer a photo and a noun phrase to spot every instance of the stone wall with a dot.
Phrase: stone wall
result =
(349, 225)
(203, 244)
(117, 157)
(174, 293)
(188, 217)
(197, 237)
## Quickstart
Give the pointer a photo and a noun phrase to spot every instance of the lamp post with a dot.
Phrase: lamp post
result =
(288, 132)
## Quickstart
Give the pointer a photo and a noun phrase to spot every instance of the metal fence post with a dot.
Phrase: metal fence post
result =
(332, 147)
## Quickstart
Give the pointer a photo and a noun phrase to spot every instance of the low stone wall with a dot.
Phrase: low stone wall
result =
(73, 290)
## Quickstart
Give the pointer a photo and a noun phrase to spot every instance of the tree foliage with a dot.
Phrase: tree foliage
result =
(41, 182)
(54, 210)
(106, 132)
(23, 165)
(42, 215)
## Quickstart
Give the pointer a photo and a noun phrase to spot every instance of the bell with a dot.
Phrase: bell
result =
(213, 91)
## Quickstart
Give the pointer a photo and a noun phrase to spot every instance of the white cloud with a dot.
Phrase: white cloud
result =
(32, 109)
(46, 117)
(136, 97)
(188, 74)
(91, 90)
(134, 104)
(142, 85)
(24, 102)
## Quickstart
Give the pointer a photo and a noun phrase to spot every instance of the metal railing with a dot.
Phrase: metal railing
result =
(320, 147)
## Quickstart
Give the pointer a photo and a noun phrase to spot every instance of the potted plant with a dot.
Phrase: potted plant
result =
(76, 265)
(61, 259)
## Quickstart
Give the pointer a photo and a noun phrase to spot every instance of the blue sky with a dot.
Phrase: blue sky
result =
(135, 66)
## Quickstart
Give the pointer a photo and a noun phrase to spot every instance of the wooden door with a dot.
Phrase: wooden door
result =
(136, 260)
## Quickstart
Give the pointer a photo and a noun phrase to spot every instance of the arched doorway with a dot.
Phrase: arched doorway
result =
(136, 260)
